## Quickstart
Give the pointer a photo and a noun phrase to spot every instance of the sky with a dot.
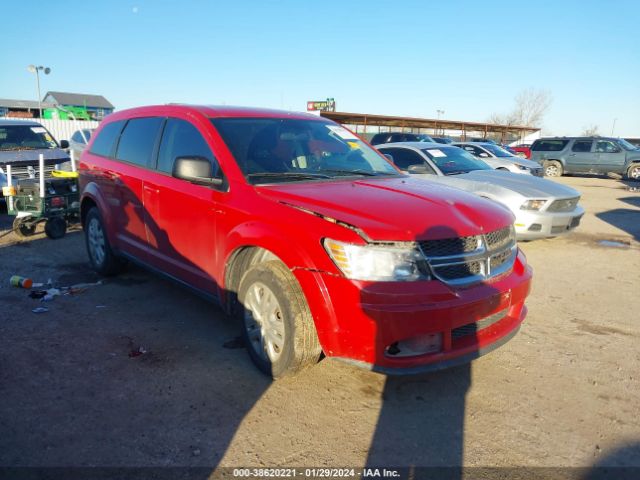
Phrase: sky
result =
(404, 57)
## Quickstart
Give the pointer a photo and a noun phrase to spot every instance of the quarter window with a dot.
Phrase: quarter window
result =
(181, 139)
(549, 145)
(582, 146)
(138, 140)
(104, 144)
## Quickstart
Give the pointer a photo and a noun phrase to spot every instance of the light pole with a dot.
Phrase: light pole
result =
(614, 126)
(36, 70)
(440, 113)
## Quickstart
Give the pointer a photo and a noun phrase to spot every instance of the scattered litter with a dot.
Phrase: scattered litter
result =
(136, 353)
(51, 294)
(40, 310)
(196, 452)
(37, 285)
(20, 282)
(234, 343)
(613, 243)
(37, 294)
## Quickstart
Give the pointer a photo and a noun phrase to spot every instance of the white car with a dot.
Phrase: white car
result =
(542, 208)
(78, 142)
(499, 159)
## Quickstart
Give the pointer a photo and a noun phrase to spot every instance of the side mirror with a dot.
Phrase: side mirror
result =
(196, 170)
(389, 157)
(64, 144)
(417, 169)
(484, 155)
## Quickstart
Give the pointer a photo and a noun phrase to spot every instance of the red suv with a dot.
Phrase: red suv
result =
(304, 233)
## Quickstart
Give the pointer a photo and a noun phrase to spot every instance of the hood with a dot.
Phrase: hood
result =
(526, 185)
(30, 157)
(395, 209)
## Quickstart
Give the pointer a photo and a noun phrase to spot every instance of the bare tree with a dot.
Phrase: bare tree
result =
(590, 131)
(530, 107)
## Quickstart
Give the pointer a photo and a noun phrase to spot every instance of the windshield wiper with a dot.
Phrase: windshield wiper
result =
(299, 175)
(356, 172)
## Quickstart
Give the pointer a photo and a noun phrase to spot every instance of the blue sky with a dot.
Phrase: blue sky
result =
(469, 59)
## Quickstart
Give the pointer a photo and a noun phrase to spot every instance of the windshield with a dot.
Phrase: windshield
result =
(627, 145)
(25, 137)
(271, 150)
(454, 160)
(496, 150)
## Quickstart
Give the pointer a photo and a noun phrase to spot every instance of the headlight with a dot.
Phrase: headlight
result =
(533, 205)
(522, 167)
(377, 263)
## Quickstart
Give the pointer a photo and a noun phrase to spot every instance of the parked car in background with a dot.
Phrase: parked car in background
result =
(500, 159)
(482, 140)
(523, 150)
(390, 137)
(444, 140)
(542, 208)
(21, 143)
(590, 155)
(79, 141)
(311, 238)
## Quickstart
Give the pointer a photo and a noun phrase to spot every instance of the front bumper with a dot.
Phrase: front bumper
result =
(359, 321)
(533, 225)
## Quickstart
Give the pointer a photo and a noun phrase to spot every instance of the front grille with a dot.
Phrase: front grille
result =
(466, 260)
(23, 172)
(564, 205)
(472, 328)
(450, 246)
(500, 238)
(537, 172)
(558, 229)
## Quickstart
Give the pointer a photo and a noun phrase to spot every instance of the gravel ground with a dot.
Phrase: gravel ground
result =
(563, 393)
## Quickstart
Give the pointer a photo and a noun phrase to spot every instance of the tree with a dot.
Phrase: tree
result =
(590, 131)
(530, 107)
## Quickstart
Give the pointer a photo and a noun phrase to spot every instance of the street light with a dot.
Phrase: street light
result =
(614, 126)
(36, 70)
(440, 112)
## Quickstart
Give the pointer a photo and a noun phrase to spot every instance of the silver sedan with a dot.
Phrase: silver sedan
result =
(542, 208)
(500, 159)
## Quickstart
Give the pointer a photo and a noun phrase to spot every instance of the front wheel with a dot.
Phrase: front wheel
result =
(553, 168)
(633, 173)
(102, 258)
(23, 228)
(277, 326)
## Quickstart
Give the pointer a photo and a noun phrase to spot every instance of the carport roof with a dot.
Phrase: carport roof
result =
(413, 122)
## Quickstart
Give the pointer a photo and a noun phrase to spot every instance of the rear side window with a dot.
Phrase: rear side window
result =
(181, 139)
(105, 142)
(549, 145)
(581, 146)
(138, 140)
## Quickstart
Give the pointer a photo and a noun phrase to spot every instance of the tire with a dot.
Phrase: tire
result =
(553, 168)
(633, 173)
(22, 229)
(270, 296)
(101, 257)
(55, 228)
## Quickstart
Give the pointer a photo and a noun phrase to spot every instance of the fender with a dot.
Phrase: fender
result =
(92, 191)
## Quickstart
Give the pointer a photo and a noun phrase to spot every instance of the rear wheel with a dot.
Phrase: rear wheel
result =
(277, 326)
(102, 258)
(633, 173)
(23, 228)
(55, 228)
(553, 168)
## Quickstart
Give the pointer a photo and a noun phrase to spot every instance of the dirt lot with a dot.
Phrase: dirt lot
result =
(563, 393)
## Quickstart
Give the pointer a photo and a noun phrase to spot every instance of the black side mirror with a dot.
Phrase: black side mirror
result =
(389, 157)
(196, 170)
(418, 169)
(64, 144)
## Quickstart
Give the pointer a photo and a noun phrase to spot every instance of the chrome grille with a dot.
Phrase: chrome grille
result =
(564, 205)
(450, 246)
(466, 260)
(22, 172)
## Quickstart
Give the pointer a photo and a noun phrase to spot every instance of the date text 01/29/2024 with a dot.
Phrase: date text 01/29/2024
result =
(315, 473)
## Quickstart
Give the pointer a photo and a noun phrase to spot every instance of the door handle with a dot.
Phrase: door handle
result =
(572, 154)
(149, 189)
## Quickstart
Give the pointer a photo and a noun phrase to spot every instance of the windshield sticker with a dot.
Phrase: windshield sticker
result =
(354, 145)
(38, 130)
(342, 132)
(437, 153)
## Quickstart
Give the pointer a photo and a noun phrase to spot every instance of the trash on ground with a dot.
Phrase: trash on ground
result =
(51, 294)
(21, 282)
(37, 285)
(614, 244)
(136, 353)
(37, 294)
(40, 310)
